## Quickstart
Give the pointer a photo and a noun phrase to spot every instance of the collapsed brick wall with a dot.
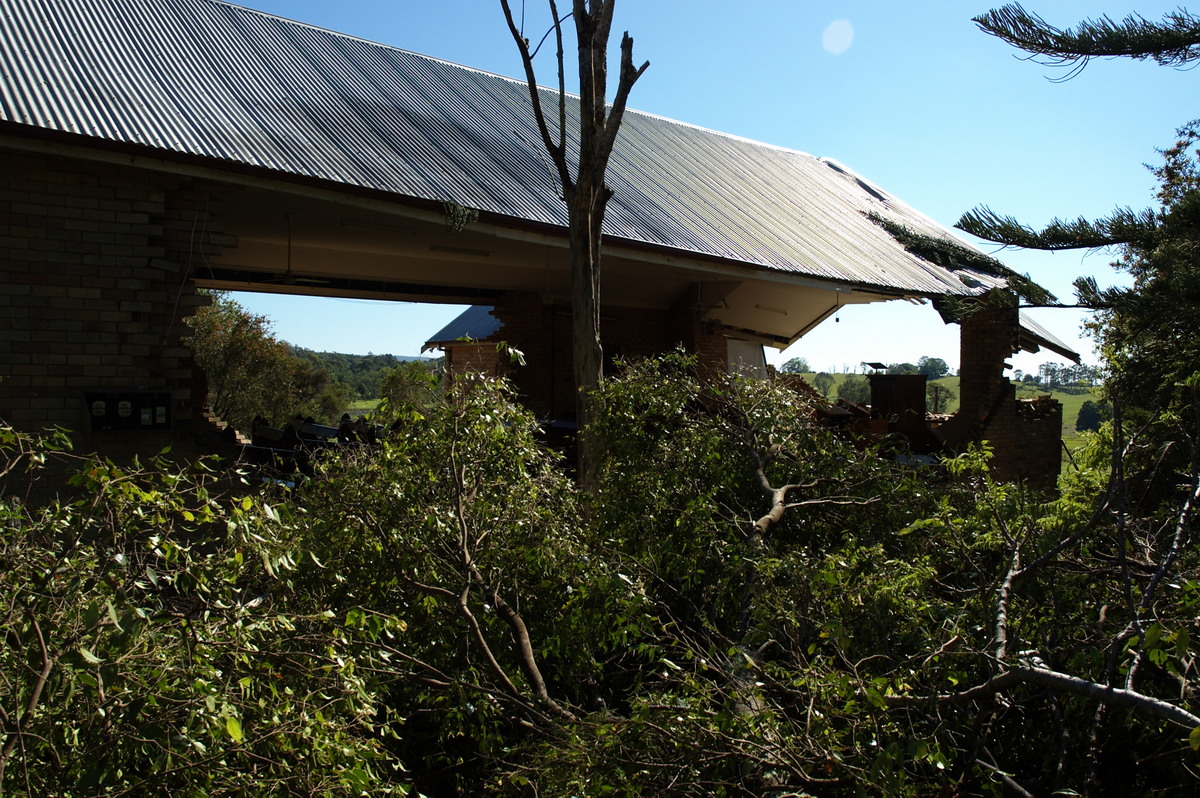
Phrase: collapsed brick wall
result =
(1026, 438)
(1038, 449)
(94, 290)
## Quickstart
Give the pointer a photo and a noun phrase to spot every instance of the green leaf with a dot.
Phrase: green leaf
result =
(91, 658)
(1194, 739)
(234, 727)
(112, 616)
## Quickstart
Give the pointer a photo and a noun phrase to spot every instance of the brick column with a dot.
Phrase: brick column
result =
(986, 398)
(1026, 444)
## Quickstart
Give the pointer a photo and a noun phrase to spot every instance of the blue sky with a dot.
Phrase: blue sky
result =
(910, 95)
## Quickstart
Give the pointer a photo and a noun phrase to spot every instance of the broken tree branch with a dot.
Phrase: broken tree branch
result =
(1054, 680)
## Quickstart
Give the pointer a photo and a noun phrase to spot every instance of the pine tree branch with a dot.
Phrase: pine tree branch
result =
(1174, 41)
(942, 251)
(952, 255)
(1124, 226)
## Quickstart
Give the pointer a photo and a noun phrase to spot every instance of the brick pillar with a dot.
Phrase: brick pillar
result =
(698, 336)
(986, 397)
(533, 327)
(988, 338)
(1026, 441)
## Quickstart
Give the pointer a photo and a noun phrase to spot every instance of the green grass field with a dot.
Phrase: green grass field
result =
(361, 407)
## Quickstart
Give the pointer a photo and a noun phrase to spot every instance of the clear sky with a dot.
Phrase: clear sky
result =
(913, 96)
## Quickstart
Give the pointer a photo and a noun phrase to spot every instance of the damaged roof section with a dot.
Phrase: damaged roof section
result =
(209, 80)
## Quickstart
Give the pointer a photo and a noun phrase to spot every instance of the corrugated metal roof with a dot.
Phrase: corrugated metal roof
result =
(476, 323)
(1038, 335)
(218, 81)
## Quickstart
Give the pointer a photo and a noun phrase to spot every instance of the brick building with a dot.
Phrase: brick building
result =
(151, 148)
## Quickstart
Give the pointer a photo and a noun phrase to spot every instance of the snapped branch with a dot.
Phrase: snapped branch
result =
(1063, 682)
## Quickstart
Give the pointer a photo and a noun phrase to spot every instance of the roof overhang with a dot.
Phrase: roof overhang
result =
(293, 235)
(1034, 337)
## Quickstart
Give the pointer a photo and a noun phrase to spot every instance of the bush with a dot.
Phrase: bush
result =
(1092, 415)
(746, 604)
(154, 644)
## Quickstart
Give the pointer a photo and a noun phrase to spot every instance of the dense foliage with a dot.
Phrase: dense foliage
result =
(748, 604)
(412, 383)
(155, 643)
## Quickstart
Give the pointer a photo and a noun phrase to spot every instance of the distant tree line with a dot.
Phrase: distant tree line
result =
(1055, 375)
(932, 367)
(1048, 375)
(856, 389)
(362, 375)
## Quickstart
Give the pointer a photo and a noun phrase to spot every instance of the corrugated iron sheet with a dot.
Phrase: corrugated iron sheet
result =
(1040, 336)
(476, 323)
(219, 81)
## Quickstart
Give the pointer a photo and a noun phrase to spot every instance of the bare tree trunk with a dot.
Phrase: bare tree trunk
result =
(585, 192)
(587, 350)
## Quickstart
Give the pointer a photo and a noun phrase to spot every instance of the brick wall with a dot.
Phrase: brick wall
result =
(1036, 456)
(1026, 440)
(94, 261)
(542, 331)
(472, 358)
